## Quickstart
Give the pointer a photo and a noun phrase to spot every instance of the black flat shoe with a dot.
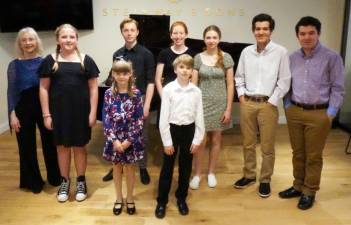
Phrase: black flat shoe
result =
(117, 208)
(290, 193)
(182, 208)
(108, 176)
(305, 202)
(37, 190)
(160, 211)
(144, 176)
(131, 210)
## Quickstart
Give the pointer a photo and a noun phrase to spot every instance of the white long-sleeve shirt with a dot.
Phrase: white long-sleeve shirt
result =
(264, 74)
(181, 106)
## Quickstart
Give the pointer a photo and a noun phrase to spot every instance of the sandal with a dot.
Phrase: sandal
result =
(117, 208)
(130, 210)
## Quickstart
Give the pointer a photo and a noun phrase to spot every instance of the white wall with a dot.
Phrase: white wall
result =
(233, 17)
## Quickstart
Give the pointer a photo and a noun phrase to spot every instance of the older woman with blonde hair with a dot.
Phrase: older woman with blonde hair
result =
(25, 112)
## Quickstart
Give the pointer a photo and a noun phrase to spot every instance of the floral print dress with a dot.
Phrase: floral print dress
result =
(123, 119)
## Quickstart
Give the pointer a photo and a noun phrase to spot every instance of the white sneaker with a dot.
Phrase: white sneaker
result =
(195, 182)
(81, 192)
(211, 180)
(63, 191)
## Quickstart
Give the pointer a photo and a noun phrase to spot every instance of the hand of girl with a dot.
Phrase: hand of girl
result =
(14, 122)
(146, 111)
(117, 146)
(48, 122)
(169, 150)
(126, 144)
(226, 117)
(92, 119)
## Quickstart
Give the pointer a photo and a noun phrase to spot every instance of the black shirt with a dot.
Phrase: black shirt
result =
(166, 57)
(143, 64)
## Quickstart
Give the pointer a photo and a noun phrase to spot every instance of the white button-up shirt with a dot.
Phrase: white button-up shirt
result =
(264, 74)
(181, 106)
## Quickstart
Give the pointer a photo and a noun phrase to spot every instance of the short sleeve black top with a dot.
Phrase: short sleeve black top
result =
(166, 57)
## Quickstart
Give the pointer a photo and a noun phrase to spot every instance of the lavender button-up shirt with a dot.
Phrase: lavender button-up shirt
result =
(317, 78)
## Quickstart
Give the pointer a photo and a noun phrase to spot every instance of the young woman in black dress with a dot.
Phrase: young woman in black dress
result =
(164, 70)
(68, 95)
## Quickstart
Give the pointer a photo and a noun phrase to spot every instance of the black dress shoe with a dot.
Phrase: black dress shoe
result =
(108, 176)
(244, 182)
(160, 211)
(117, 208)
(264, 190)
(131, 208)
(305, 202)
(144, 176)
(290, 193)
(183, 208)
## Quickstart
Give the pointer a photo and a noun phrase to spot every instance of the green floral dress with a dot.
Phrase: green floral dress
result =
(212, 82)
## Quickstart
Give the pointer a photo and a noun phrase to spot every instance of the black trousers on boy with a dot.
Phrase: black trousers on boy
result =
(182, 137)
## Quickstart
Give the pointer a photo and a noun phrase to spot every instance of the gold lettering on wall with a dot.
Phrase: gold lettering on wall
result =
(231, 12)
(242, 12)
(178, 12)
(219, 12)
(193, 12)
(208, 12)
(104, 12)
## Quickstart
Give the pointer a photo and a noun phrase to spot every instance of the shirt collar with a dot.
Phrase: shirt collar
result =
(313, 52)
(268, 47)
(186, 88)
(134, 49)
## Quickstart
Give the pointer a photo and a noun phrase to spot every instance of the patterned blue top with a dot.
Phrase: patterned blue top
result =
(21, 75)
(123, 120)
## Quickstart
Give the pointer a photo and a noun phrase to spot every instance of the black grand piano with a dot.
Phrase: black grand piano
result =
(154, 34)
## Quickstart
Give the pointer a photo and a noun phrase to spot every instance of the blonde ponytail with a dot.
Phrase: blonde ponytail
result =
(80, 58)
(55, 66)
(220, 58)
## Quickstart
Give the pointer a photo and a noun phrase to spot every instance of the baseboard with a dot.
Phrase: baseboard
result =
(4, 127)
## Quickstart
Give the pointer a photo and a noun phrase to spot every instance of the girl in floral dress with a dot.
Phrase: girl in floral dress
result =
(123, 125)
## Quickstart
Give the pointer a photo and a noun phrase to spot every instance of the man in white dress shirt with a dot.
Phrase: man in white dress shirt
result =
(262, 79)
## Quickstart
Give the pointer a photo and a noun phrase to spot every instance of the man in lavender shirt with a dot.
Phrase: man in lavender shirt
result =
(316, 94)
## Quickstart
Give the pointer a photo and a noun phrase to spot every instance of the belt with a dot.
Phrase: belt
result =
(257, 98)
(310, 106)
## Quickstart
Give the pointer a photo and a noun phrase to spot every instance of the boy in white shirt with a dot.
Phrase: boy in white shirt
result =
(182, 129)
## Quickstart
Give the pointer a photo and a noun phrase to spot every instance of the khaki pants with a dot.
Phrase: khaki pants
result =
(308, 131)
(263, 118)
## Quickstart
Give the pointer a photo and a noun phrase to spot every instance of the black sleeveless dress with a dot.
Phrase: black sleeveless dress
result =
(69, 99)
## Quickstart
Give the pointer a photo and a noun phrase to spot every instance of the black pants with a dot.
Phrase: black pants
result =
(182, 137)
(29, 114)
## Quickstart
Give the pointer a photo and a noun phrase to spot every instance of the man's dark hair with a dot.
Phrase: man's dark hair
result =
(262, 18)
(308, 21)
